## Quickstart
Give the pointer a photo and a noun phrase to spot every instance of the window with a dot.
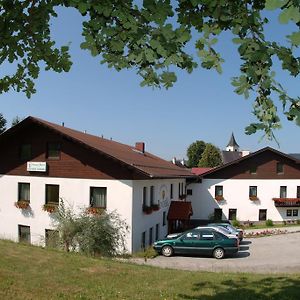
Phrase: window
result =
(279, 168)
(171, 191)
(157, 232)
(262, 215)
(288, 212)
(164, 218)
(189, 192)
(24, 234)
(143, 241)
(298, 191)
(219, 190)
(179, 190)
(144, 196)
(23, 191)
(218, 214)
(53, 150)
(52, 193)
(232, 214)
(182, 188)
(207, 235)
(98, 197)
(25, 152)
(295, 212)
(150, 236)
(283, 192)
(253, 170)
(51, 238)
(151, 195)
(253, 191)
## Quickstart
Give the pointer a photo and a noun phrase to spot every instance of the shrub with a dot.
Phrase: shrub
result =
(298, 222)
(269, 223)
(92, 234)
(236, 223)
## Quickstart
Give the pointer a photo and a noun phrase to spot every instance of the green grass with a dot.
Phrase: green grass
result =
(28, 272)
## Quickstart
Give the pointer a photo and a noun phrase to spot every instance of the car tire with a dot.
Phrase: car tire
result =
(167, 251)
(219, 253)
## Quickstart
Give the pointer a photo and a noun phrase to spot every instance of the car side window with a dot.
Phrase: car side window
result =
(192, 235)
(219, 236)
(207, 235)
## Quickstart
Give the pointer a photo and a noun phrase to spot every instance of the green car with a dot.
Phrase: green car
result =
(199, 242)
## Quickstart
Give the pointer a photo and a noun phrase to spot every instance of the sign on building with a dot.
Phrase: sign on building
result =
(34, 166)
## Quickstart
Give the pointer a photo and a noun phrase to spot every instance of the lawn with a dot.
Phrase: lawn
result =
(28, 272)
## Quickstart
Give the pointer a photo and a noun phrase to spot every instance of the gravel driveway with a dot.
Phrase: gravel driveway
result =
(271, 254)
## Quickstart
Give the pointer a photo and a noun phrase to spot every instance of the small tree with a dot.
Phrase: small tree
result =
(16, 120)
(93, 234)
(211, 157)
(2, 123)
(194, 153)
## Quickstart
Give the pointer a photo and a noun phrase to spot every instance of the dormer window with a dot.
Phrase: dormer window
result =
(25, 152)
(279, 168)
(53, 150)
(253, 170)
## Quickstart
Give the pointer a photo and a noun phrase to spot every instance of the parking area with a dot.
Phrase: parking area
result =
(271, 254)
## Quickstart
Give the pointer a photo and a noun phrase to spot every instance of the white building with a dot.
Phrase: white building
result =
(262, 185)
(42, 162)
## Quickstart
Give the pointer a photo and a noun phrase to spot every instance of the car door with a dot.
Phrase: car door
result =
(205, 243)
(186, 243)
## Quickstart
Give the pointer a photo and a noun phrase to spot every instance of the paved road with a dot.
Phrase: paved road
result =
(272, 254)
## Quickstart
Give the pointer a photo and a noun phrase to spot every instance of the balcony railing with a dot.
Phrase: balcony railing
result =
(286, 202)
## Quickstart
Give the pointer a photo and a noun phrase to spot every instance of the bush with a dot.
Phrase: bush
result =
(147, 253)
(236, 223)
(269, 223)
(93, 234)
(298, 222)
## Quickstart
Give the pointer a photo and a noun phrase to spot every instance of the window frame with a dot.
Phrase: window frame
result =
(260, 212)
(171, 191)
(283, 191)
(279, 168)
(295, 212)
(251, 194)
(230, 212)
(50, 157)
(289, 212)
(152, 195)
(164, 218)
(298, 192)
(219, 188)
(22, 239)
(91, 192)
(253, 170)
(144, 197)
(46, 194)
(21, 184)
(23, 157)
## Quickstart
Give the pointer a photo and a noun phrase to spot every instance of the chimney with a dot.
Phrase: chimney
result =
(174, 160)
(140, 146)
(245, 152)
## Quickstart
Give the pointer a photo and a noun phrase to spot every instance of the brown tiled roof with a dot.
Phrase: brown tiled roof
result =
(200, 171)
(180, 210)
(146, 163)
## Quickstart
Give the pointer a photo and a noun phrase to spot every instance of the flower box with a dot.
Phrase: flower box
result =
(155, 207)
(50, 207)
(22, 204)
(253, 198)
(95, 210)
(147, 210)
(219, 197)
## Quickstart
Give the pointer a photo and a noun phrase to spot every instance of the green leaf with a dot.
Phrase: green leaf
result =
(274, 4)
(295, 38)
(290, 13)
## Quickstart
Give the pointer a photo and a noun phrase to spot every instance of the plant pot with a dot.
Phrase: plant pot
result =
(50, 207)
(155, 207)
(22, 204)
(95, 210)
(219, 198)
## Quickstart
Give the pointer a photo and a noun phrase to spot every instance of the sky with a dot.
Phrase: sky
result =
(102, 101)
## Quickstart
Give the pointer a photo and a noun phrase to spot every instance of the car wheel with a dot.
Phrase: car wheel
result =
(219, 253)
(167, 251)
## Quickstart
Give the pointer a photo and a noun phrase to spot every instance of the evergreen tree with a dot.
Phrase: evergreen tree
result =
(211, 157)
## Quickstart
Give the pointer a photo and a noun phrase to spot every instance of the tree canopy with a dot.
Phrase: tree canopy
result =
(194, 153)
(151, 37)
(2, 123)
(211, 157)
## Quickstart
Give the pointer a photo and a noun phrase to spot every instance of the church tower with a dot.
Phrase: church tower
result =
(232, 144)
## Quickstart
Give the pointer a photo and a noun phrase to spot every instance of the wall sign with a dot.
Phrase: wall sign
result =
(34, 166)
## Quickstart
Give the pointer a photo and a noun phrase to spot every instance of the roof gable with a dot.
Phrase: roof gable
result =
(264, 159)
(128, 156)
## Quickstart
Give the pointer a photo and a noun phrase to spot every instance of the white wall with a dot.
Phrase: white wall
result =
(236, 196)
(75, 192)
(143, 222)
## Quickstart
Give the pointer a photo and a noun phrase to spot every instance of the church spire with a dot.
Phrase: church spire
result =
(232, 144)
